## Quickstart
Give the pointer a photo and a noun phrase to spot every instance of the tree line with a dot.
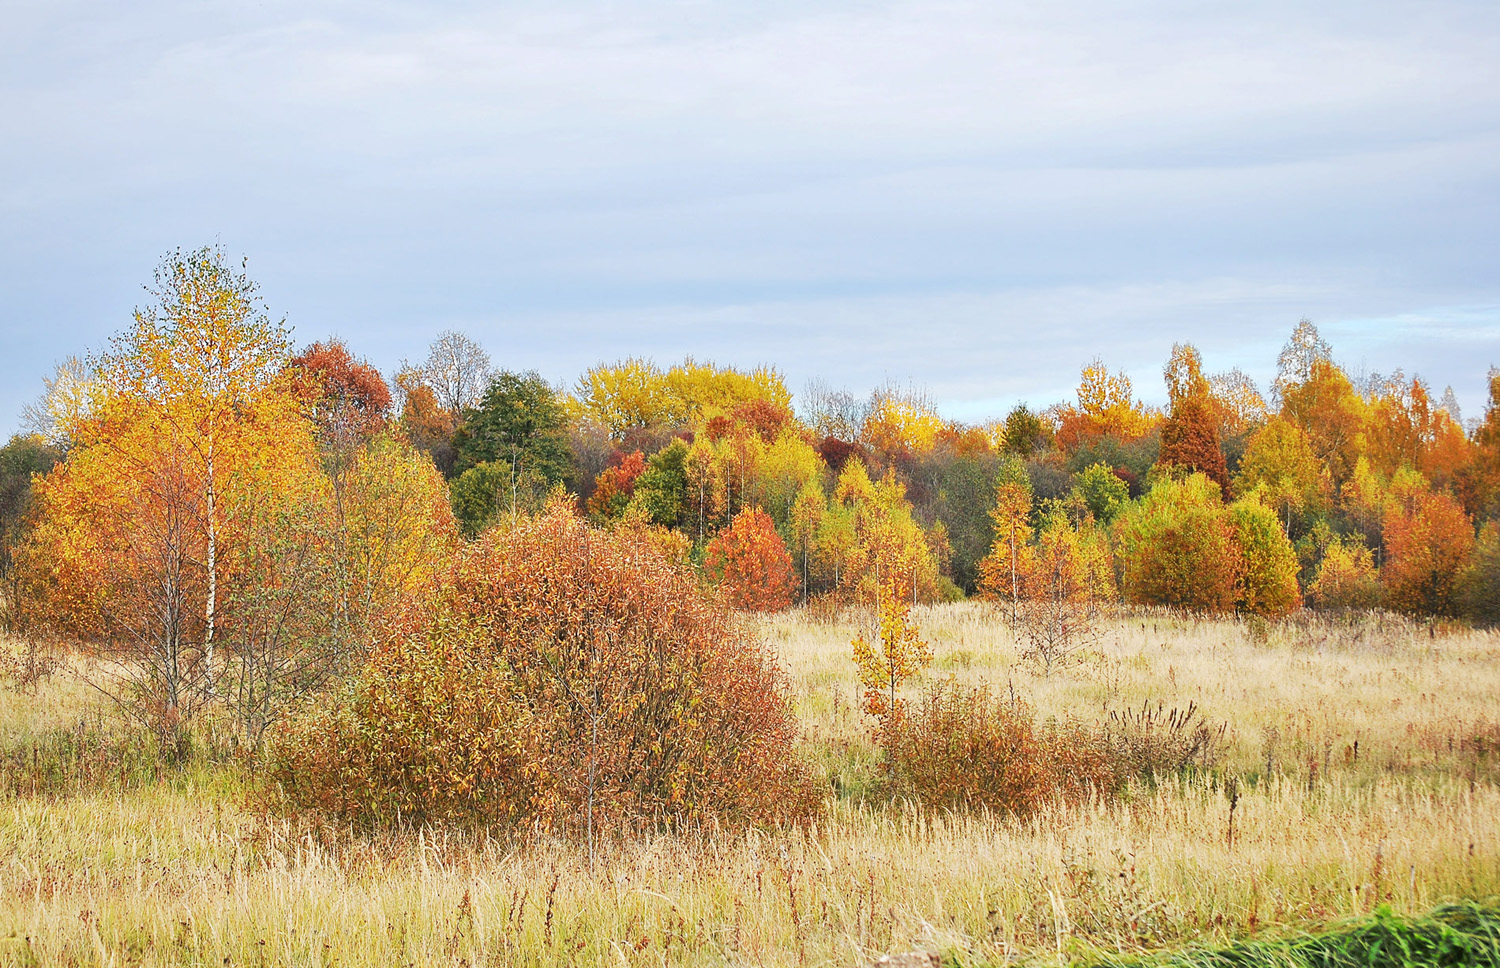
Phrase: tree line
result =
(231, 521)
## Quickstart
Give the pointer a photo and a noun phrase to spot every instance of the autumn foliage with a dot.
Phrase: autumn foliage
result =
(564, 673)
(750, 561)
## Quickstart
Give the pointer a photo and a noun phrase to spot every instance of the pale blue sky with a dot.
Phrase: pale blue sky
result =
(977, 198)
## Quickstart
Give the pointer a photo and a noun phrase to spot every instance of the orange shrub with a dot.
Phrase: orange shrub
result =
(752, 563)
(965, 748)
(566, 674)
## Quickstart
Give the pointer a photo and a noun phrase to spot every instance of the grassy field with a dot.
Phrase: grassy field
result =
(1364, 756)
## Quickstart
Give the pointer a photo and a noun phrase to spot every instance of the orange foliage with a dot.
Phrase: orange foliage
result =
(1332, 415)
(348, 400)
(614, 486)
(1106, 408)
(567, 675)
(1428, 539)
(751, 562)
(964, 749)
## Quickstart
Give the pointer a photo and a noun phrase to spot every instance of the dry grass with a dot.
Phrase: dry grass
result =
(183, 873)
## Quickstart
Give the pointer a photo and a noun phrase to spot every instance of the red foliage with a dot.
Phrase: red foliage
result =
(836, 453)
(750, 560)
(346, 398)
(1190, 440)
(615, 485)
(764, 417)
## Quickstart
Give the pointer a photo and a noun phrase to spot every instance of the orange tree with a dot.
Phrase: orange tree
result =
(750, 561)
(143, 528)
(1190, 435)
(1010, 555)
(1428, 541)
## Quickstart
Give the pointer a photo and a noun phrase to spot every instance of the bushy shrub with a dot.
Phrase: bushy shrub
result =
(1346, 577)
(961, 748)
(1154, 741)
(1176, 548)
(1479, 591)
(1428, 539)
(566, 675)
(1267, 572)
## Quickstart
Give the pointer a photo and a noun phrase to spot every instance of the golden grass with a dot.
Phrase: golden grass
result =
(185, 874)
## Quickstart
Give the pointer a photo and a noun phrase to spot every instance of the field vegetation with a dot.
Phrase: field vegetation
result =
(305, 666)
(1357, 771)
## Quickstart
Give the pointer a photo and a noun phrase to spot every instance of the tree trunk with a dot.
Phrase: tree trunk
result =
(211, 602)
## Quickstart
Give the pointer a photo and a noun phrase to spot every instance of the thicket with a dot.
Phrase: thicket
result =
(564, 675)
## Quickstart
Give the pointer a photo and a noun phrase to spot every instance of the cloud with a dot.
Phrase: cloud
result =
(838, 188)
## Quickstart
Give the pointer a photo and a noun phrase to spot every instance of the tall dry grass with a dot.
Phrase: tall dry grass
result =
(183, 872)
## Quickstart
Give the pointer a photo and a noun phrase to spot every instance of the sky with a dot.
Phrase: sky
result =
(973, 198)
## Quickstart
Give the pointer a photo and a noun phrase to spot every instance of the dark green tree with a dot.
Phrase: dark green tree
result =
(662, 487)
(520, 422)
(1025, 434)
(26, 455)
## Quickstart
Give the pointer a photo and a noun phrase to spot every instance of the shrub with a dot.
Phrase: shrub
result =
(1155, 741)
(1176, 548)
(565, 675)
(1346, 577)
(1428, 539)
(965, 748)
(1480, 590)
(1267, 572)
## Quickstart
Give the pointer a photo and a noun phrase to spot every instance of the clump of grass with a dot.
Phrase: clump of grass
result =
(1456, 935)
(1156, 741)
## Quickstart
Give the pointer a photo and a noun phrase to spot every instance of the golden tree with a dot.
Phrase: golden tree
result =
(896, 654)
(140, 529)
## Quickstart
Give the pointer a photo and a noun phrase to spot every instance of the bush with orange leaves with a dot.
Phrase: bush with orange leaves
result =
(752, 564)
(567, 676)
(965, 749)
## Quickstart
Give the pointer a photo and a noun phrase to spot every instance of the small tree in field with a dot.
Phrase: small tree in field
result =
(1010, 556)
(752, 563)
(897, 654)
(1065, 590)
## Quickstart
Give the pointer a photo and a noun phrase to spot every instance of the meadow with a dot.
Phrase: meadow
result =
(1359, 772)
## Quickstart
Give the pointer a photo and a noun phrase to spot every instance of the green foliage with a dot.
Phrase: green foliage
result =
(484, 493)
(520, 421)
(1025, 433)
(20, 459)
(1479, 591)
(1103, 491)
(661, 490)
(1455, 935)
(1176, 547)
(1267, 574)
(965, 494)
(566, 675)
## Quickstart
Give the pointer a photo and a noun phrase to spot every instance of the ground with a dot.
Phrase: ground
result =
(1363, 754)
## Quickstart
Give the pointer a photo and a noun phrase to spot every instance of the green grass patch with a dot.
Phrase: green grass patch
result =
(1452, 936)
